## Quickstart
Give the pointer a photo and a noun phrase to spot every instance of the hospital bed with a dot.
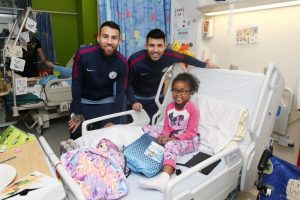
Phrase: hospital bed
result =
(256, 93)
(44, 103)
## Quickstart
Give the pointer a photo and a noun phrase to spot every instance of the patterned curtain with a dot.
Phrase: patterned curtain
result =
(136, 18)
(45, 35)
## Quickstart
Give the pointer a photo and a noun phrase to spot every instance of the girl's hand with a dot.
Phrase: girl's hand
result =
(161, 139)
(164, 139)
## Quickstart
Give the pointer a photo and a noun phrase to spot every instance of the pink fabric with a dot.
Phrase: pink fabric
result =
(176, 148)
(98, 171)
(183, 124)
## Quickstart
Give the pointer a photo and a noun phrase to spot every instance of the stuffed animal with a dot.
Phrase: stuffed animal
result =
(183, 48)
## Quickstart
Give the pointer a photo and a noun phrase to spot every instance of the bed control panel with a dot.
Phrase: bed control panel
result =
(233, 157)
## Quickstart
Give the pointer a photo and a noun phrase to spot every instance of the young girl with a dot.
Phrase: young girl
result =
(179, 134)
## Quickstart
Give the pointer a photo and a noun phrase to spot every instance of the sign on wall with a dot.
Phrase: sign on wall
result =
(185, 23)
(246, 35)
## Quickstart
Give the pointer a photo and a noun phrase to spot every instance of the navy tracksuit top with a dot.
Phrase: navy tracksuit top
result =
(145, 74)
(94, 75)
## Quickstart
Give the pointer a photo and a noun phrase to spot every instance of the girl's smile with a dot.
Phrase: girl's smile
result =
(180, 93)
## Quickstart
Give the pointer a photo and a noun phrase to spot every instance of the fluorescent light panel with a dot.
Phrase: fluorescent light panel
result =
(8, 15)
(254, 8)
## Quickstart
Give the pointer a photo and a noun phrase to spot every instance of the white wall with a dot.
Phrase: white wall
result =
(278, 42)
(192, 18)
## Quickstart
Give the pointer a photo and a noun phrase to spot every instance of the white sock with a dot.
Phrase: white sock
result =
(158, 182)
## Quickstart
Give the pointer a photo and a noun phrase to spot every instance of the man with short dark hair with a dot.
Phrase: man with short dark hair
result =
(99, 79)
(146, 68)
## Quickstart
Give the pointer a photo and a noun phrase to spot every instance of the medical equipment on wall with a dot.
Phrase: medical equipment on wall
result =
(282, 117)
(208, 28)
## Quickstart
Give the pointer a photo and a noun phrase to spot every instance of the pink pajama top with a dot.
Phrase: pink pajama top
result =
(182, 124)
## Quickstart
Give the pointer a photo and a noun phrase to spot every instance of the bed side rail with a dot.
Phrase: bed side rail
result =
(166, 75)
(61, 170)
(261, 127)
(272, 76)
(233, 162)
(139, 118)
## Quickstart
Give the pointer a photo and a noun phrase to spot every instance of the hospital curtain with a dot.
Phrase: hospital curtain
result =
(136, 18)
(45, 35)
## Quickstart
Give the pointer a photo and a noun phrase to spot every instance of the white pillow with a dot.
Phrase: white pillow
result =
(220, 123)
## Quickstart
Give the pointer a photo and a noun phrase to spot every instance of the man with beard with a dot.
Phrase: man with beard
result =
(99, 79)
(146, 68)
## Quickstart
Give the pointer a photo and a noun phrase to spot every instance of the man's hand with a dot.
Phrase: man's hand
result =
(137, 106)
(75, 122)
(49, 64)
(109, 124)
(211, 65)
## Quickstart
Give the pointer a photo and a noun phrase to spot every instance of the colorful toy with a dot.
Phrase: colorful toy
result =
(13, 137)
(183, 48)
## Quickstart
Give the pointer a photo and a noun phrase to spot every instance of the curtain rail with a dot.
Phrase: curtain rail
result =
(46, 11)
(11, 8)
(55, 12)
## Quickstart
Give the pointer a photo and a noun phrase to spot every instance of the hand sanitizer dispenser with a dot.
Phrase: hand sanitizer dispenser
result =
(208, 28)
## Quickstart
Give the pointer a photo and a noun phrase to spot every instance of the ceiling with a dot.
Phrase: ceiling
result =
(212, 6)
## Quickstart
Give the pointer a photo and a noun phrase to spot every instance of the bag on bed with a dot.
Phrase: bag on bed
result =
(99, 171)
(144, 156)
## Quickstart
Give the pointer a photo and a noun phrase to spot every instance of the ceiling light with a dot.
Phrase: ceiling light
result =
(8, 15)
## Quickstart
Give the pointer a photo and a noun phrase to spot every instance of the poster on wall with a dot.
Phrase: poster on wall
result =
(182, 34)
(185, 23)
(246, 35)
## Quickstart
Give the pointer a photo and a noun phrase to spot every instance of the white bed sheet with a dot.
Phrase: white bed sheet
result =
(136, 192)
(122, 135)
(36, 90)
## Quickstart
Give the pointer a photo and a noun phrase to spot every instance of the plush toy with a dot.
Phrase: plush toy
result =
(183, 48)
